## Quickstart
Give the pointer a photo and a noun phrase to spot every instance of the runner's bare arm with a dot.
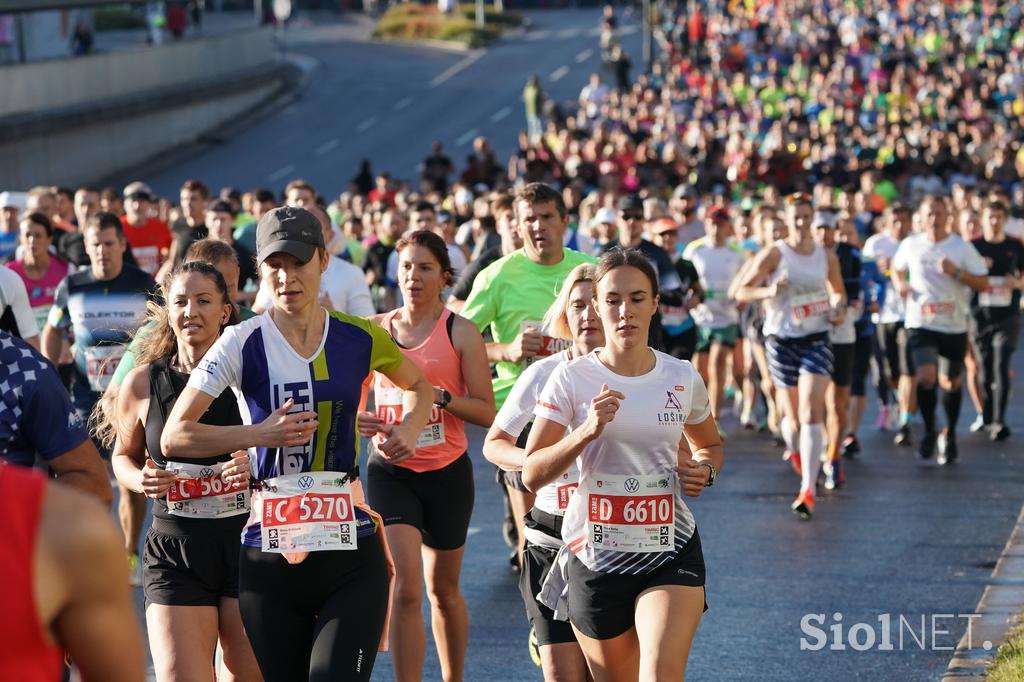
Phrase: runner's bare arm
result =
(185, 437)
(88, 605)
(82, 468)
(52, 342)
(131, 467)
(416, 406)
(478, 406)
(836, 287)
(700, 443)
(501, 451)
(750, 287)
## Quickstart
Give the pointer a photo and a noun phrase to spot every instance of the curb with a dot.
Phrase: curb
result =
(999, 610)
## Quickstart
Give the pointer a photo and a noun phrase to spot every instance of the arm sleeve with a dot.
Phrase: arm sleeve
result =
(480, 308)
(17, 298)
(385, 355)
(48, 422)
(554, 403)
(221, 367)
(517, 410)
(899, 259)
(700, 404)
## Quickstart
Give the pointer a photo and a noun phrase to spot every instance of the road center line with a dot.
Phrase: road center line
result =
(280, 173)
(366, 125)
(558, 74)
(466, 137)
(455, 69)
(537, 35)
(403, 103)
(584, 56)
(326, 147)
(569, 33)
(500, 114)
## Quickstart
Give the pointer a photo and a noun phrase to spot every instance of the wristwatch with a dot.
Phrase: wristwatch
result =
(446, 398)
(711, 472)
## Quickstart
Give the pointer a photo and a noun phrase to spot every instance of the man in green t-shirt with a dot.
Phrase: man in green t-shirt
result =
(511, 295)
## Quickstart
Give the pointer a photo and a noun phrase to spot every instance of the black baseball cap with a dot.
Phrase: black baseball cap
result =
(290, 230)
(630, 202)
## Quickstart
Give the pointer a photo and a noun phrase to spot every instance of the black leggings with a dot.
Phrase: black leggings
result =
(993, 345)
(319, 620)
(862, 348)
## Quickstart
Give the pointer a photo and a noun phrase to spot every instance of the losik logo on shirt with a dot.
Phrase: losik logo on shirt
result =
(672, 413)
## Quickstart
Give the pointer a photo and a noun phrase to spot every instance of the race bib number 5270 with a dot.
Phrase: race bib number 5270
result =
(307, 512)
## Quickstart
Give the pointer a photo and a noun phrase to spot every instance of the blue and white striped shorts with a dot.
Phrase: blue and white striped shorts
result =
(789, 358)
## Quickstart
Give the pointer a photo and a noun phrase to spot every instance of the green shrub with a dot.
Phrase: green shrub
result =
(118, 18)
(410, 21)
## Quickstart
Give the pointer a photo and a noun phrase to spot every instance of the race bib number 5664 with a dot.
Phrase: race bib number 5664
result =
(308, 512)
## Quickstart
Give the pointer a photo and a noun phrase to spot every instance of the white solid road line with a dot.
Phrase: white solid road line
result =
(326, 147)
(569, 33)
(584, 56)
(280, 173)
(466, 137)
(500, 114)
(454, 69)
(366, 125)
(403, 103)
(558, 74)
(537, 35)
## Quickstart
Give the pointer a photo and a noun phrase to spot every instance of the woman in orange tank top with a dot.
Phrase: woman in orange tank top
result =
(426, 501)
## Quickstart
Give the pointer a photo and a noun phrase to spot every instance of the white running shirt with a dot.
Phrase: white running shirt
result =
(937, 301)
(716, 267)
(802, 308)
(883, 245)
(631, 467)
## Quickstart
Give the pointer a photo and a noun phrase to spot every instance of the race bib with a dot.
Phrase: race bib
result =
(999, 294)
(200, 493)
(100, 363)
(390, 411)
(563, 493)
(632, 514)
(807, 307)
(671, 315)
(549, 345)
(308, 512)
(148, 258)
(938, 312)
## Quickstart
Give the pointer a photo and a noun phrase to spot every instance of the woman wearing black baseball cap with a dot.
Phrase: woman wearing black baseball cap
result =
(312, 554)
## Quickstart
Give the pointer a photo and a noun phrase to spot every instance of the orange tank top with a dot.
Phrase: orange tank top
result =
(443, 439)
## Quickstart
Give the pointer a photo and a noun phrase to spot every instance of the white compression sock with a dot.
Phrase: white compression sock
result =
(812, 438)
(789, 434)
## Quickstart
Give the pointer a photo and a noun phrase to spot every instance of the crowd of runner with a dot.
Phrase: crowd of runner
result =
(804, 205)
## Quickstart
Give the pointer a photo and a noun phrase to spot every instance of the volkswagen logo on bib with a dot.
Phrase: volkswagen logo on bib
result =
(305, 482)
(206, 472)
(631, 485)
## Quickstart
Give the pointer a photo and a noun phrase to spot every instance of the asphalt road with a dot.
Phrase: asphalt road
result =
(387, 103)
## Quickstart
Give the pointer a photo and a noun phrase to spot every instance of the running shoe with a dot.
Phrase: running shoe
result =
(883, 418)
(978, 424)
(834, 476)
(948, 451)
(851, 446)
(999, 432)
(531, 644)
(134, 570)
(794, 461)
(927, 447)
(803, 505)
(903, 437)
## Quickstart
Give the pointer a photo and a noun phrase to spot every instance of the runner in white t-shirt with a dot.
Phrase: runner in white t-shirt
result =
(892, 336)
(571, 316)
(804, 297)
(632, 570)
(934, 272)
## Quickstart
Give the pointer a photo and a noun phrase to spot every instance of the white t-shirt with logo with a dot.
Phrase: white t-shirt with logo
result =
(883, 245)
(937, 301)
(517, 412)
(717, 267)
(635, 457)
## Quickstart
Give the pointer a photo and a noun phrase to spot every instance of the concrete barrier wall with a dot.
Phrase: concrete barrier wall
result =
(62, 83)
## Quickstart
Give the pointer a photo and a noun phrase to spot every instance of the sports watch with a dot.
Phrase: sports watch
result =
(445, 398)
(711, 472)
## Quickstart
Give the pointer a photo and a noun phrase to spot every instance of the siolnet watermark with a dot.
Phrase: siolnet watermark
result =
(888, 632)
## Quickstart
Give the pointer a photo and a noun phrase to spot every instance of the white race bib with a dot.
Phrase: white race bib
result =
(563, 493)
(999, 294)
(390, 411)
(100, 364)
(938, 312)
(807, 307)
(200, 493)
(307, 512)
(632, 513)
(549, 345)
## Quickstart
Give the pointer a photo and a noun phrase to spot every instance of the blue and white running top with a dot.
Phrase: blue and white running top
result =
(255, 361)
(628, 515)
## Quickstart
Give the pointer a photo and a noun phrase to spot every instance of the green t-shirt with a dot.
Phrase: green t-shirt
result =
(513, 290)
(127, 362)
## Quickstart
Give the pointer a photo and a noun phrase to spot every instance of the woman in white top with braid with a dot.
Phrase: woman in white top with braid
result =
(803, 293)
(572, 316)
(632, 565)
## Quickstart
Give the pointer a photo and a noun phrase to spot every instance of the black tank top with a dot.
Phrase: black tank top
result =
(165, 385)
